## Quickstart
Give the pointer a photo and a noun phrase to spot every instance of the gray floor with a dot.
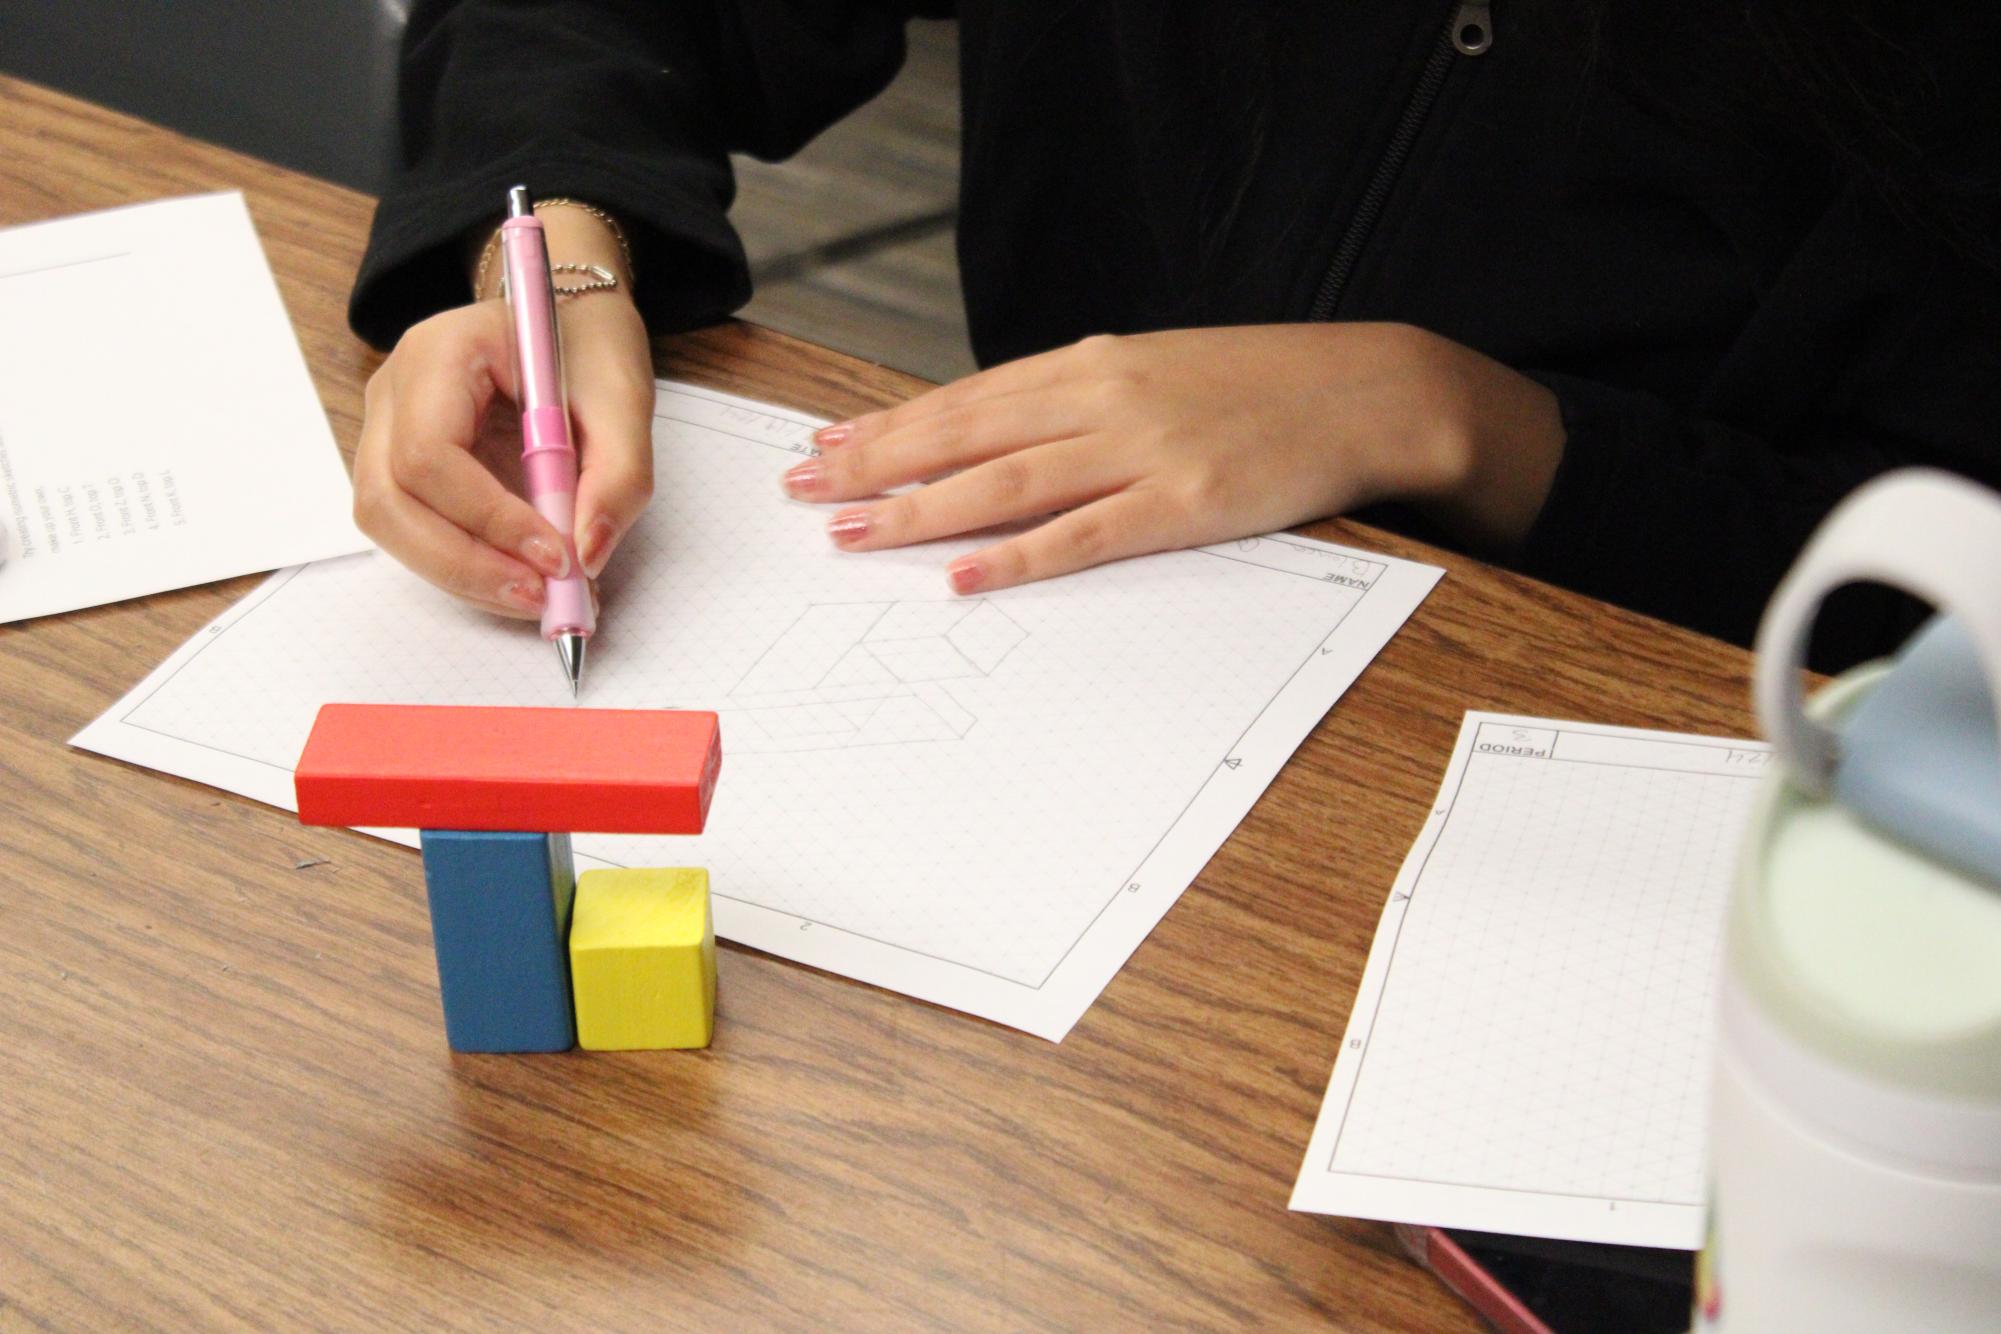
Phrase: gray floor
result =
(851, 241)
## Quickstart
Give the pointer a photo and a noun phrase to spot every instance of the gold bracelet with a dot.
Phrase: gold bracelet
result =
(605, 284)
(602, 279)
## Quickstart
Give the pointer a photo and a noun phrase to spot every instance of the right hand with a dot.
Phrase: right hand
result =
(422, 491)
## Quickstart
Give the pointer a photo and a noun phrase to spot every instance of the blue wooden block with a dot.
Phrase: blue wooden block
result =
(500, 918)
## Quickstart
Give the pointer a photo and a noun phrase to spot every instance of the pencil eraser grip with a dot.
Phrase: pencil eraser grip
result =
(598, 771)
(566, 604)
(551, 472)
(548, 428)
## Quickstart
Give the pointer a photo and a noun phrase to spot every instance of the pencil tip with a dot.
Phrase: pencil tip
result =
(570, 652)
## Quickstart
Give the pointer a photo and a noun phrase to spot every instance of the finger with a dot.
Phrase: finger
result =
(458, 488)
(1015, 486)
(443, 553)
(1130, 523)
(615, 481)
(501, 609)
(611, 402)
(958, 437)
(446, 374)
(1041, 371)
(515, 613)
(487, 331)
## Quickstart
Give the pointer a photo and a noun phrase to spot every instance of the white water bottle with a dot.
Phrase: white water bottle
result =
(1856, 1132)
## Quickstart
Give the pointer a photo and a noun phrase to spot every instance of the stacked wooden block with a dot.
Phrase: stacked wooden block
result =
(531, 956)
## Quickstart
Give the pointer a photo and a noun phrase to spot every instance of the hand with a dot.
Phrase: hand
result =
(1178, 439)
(428, 470)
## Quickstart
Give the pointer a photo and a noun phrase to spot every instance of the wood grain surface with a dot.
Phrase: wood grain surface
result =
(226, 1101)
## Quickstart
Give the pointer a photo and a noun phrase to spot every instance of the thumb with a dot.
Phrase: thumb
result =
(611, 407)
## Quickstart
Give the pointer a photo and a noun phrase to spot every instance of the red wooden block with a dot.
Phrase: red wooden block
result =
(573, 771)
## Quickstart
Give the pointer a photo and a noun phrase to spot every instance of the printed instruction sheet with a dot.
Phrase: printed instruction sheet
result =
(1529, 1048)
(157, 425)
(986, 802)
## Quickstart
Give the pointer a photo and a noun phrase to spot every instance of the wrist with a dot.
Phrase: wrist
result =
(576, 234)
(1406, 383)
(1494, 441)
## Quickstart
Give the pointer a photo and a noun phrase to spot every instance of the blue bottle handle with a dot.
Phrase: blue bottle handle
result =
(1930, 533)
(1918, 757)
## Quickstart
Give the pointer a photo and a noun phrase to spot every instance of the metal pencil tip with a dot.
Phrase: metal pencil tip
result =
(570, 652)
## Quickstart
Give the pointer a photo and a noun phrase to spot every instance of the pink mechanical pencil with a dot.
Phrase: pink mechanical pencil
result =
(547, 455)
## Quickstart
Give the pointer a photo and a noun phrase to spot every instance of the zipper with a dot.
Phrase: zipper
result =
(1469, 31)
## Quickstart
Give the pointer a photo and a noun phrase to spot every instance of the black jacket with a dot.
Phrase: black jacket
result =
(1630, 204)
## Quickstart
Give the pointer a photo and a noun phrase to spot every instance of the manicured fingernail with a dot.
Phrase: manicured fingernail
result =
(523, 596)
(837, 434)
(848, 527)
(965, 574)
(546, 555)
(597, 545)
(804, 479)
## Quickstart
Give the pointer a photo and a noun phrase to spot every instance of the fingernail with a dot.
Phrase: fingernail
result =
(523, 596)
(965, 574)
(837, 434)
(804, 479)
(546, 555)
(848, 527)
(597, 545)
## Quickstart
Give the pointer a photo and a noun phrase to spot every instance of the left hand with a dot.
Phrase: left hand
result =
(1165, 440)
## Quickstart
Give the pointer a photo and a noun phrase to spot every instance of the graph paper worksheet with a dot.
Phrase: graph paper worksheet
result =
(985, 802)
(1529, 1048)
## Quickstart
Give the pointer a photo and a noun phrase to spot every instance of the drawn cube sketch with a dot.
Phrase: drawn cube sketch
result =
(929, 659)
(874, 673)
(921, 620)
(806, 652)
(986, 636)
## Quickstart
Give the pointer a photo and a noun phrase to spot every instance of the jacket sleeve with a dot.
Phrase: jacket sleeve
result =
(633, 105)
(1695, 515)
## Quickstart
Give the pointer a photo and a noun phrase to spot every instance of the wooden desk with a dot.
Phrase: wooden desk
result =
(226, 1102)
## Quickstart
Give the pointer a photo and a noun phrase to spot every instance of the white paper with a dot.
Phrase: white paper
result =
(1529, 1049)
(157, 425)
(985, 802)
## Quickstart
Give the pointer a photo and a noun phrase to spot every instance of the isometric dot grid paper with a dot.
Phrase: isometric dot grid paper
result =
(985, 802)
(1529, 1048)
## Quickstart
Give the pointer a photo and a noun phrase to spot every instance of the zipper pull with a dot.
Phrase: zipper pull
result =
(1473, 27)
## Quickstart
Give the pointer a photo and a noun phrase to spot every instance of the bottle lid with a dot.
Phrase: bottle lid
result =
(1884, 958)
(1868, 919)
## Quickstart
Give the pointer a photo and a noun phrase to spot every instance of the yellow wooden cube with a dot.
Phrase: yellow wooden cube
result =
(643, 959)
